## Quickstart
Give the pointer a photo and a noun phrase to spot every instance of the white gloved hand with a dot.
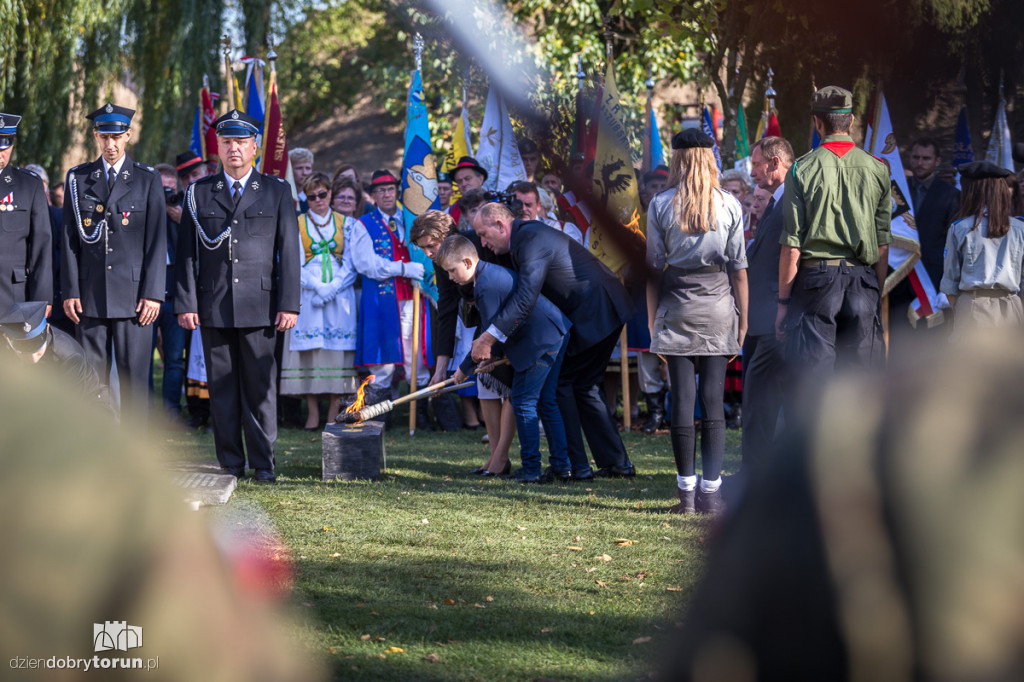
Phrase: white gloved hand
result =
(413, 271)
(317, 301)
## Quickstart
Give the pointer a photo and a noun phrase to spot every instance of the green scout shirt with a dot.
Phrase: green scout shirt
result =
(837, 203)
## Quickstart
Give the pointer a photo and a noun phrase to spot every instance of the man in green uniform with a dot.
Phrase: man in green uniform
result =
(836, 213)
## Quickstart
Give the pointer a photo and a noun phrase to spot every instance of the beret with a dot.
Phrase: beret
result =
(832, 99)
(979, 170)
(691, 138)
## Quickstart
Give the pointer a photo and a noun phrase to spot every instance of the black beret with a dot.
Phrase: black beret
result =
(979, 170)
(690, 138)
(832, 99)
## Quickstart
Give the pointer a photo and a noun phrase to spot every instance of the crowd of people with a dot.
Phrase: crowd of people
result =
(250, 293)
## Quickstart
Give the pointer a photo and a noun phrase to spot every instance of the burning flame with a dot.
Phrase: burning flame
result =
(360, 397)
(634, 223)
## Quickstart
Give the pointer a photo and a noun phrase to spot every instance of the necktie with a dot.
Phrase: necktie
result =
(771, 205)
(236, 192)
(111, 176)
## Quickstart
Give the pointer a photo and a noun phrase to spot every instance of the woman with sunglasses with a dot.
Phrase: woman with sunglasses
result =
(320, 350)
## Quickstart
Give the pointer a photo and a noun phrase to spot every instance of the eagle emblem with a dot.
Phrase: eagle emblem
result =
(612, 181)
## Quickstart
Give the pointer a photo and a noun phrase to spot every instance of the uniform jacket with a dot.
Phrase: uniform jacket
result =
(550, 263)
(933, 217)
(542, 331)
(763, 273)
(172, 249)
(253, 273)
(26, 261)
(111, 274)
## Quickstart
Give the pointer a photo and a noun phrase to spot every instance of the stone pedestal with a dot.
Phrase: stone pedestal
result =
(202, 482)
(354, 451)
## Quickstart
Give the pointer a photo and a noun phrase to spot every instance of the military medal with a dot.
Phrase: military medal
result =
(5, 203)
(99, 208)
(87, 222)
(124, 218)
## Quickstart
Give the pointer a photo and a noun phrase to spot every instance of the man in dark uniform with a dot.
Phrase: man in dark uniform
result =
(36, 342)
(115, 252)
(550, 263)
(835, 247)
(25, 258)
(238, 282)
(763, 359)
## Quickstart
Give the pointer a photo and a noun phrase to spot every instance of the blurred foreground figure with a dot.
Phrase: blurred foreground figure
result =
(886, 542)
(93, 534)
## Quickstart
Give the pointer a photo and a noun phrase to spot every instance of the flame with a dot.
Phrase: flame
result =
(634, 223)
(360, 397)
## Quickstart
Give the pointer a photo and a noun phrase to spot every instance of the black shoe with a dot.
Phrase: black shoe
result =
(655, 411)
(265, 476)
(237, 472)
(478, 471)
(520, 477)
(472, 427)
(588, 476)
(310, 428)
(710, 503)
(550, 476)
(616, 471)
(492, 474)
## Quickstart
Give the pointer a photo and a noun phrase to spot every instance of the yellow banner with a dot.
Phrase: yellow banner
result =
(614, 180)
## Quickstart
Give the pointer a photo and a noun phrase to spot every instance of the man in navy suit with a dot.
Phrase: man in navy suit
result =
(550, 263)
(770, 160)
(535, 350)
(238, 277)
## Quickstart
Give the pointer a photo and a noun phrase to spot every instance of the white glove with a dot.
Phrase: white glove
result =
(317, 301)
(413, 271)
(325, 290)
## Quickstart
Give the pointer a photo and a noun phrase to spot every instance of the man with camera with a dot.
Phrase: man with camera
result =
(171, 334)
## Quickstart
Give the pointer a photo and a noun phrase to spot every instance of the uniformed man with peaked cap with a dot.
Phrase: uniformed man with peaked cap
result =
(837, 210)
(238, 283)
(26, 259)
(115, 256)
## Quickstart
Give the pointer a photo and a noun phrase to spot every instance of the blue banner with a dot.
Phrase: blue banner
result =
(419, 176)
(709, 129)
(963, 152)
(196, 144)
(657, 152)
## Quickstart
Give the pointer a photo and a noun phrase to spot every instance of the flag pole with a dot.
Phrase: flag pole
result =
(627, 417)
(417, 46)
(648, 164)
(272, 60)
(229, 77)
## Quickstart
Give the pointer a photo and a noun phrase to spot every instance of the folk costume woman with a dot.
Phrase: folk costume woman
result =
(320, 350)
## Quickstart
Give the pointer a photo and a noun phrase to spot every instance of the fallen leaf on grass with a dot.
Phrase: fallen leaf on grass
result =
(641, 640)
(333, 650)
(374, 613)
(380, 639)
(335, 555)
(674, 589)
(520, 527)
(365, 638)
(601, 583)
(489, 598)
(397, 650)
(328, 529)
(603, 557)
(624, 542)
(449, 601)
(545, 630)
(376, 656)
(424, 521)
(575, 549)
(591, 570)
(431, 658)
(480, 606)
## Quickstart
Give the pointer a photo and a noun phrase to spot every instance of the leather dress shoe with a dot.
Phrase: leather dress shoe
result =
(265, 476)
(586, 476)
(615, 471)
(520, 477)
(550, 476)
(479, 471)
(237, 472)
(504, 472)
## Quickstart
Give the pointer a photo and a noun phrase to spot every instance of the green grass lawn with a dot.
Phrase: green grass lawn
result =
(479, 579)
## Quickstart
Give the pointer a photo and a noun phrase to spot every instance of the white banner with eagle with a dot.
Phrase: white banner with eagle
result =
(498, 152)
(905, 250)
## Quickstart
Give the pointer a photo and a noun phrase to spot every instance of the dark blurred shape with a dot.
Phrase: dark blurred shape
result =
(94, 532)
(886, 542)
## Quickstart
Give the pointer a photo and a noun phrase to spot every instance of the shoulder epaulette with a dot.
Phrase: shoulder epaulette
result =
(80, 166)
(145, 166)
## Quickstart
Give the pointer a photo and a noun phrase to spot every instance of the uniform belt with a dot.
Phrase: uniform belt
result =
(698, 271)
(988, 293)
(832, 262)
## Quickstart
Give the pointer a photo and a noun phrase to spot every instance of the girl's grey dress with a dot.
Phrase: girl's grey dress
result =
(696, 312)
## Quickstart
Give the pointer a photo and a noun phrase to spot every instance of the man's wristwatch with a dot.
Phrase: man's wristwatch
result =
(783, 301)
